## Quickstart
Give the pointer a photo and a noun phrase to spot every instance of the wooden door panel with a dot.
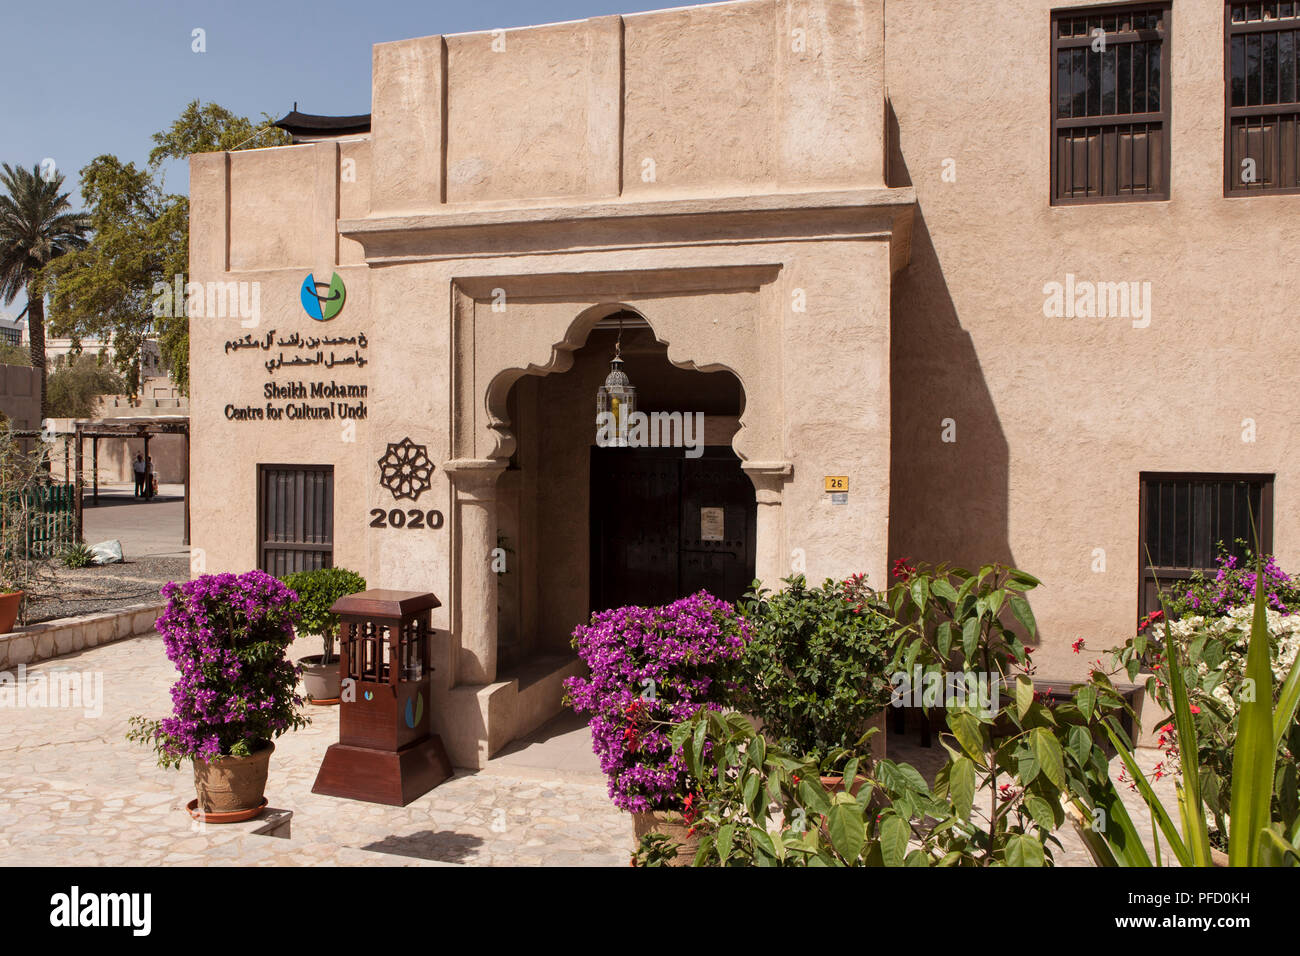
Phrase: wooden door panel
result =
(647, 541)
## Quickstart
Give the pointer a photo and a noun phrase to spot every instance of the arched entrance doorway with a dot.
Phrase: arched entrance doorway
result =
(585, 527)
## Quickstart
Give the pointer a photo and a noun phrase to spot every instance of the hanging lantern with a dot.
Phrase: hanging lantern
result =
(615, 401)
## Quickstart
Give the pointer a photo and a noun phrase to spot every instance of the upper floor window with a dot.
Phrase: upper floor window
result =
(1262, 148)
(1110, 103)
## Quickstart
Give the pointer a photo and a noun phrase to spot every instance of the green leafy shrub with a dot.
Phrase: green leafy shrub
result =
(77, 556)
(317, 591)
(1261, 826)
(817, 668)
(996, 801)
(1215, 653)
(655, 849)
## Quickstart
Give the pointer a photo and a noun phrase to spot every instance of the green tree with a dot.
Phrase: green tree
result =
(78, 382)
(103, 290)
(141, 238)
(37, 228)
(14, 355)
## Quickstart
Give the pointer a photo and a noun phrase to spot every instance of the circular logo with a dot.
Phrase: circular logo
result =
(322, 305)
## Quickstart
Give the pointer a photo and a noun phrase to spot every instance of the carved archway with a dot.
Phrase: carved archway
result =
(507, 327)
(561, 360)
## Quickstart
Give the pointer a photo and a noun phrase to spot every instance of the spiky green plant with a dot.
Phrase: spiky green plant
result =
(1254, 837)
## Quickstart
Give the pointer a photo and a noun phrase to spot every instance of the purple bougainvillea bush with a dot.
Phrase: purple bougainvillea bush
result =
(651, 667)
(227, 635)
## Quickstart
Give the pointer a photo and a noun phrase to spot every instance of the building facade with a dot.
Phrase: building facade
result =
(929, 290)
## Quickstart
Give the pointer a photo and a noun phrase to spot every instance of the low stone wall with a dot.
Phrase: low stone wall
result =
(49, 639)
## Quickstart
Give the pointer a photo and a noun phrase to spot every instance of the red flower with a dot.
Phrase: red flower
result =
(1077, 645)
(1195, 709)
(689, 810)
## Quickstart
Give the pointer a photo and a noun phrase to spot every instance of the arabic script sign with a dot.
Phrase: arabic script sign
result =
(312, 349)
(304, 400)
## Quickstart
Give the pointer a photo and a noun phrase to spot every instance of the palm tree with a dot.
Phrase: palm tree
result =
(36, 227)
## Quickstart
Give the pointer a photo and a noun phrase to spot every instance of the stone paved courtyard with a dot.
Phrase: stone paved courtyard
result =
(73, 791)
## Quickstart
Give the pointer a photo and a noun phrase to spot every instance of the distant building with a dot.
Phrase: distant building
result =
(57, 350)
(12, 332)
(310, 128)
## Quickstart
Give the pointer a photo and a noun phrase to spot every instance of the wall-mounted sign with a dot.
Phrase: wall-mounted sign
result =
(406, 470)
(712, 524)
(839, 497)
(837, 483)
(322, 306)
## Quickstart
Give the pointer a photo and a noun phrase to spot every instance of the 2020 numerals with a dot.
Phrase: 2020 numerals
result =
(412, 520)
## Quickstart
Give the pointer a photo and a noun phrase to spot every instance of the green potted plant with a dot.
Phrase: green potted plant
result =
(317, 591)
(227, 635)
(816, 672)
(649, 668)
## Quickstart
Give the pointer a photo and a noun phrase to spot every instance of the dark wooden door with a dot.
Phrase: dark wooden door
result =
(664, 526)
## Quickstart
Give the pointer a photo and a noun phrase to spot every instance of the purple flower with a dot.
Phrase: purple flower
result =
(674, 659)
(227, 635)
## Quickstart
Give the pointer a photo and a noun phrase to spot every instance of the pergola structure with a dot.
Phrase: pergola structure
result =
(133, 427)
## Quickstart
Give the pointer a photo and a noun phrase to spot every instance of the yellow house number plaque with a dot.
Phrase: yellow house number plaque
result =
(837, 483)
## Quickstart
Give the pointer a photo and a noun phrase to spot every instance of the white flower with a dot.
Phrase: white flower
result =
(1232, 631)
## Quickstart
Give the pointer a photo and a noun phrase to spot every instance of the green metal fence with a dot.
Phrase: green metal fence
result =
(49, 514)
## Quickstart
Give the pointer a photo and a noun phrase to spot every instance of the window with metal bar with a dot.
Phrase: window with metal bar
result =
(295, 518)
(1110, 104)
(1186, 517)
(1262, 127)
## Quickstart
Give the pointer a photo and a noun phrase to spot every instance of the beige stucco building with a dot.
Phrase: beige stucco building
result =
(831, 227)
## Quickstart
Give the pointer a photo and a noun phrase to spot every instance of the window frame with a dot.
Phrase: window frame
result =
(1162, 116)
(1265, 520)
(1276, 109)
(262, 543)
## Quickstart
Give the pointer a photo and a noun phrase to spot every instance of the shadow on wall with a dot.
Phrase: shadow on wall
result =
(948, 498)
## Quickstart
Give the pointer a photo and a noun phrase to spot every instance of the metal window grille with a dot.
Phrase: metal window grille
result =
(1262, 96)
(295, 518)
(1110, 104)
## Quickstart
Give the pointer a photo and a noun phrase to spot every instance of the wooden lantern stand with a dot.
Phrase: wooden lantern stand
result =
(385, 752)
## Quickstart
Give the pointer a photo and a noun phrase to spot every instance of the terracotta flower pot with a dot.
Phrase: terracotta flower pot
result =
(835, 784)
(320, 682)
(227, 784)
(671, 825)
(9, 605)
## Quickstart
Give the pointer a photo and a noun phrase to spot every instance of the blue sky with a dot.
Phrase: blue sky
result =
(83, 77)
